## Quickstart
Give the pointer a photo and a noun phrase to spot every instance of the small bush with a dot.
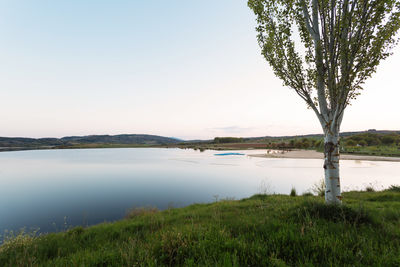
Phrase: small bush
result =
(363, 143)
(394, 188)
(293, 192)
(307, 194)
(351, 142)
(369, 189)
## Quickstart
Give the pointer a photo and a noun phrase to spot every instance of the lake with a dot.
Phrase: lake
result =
(54, 189)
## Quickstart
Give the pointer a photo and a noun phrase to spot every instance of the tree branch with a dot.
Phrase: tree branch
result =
(323, 106)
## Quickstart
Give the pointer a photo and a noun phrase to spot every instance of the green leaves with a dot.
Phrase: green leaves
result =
(326, 49)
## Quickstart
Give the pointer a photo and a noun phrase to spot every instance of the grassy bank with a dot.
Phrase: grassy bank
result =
(263, 230)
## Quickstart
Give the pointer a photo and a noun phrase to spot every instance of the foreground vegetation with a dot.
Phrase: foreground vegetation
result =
(264, 230)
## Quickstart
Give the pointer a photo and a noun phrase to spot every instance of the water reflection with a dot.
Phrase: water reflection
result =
(41, 188)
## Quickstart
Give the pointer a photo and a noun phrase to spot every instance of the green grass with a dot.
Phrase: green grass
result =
(264, 230)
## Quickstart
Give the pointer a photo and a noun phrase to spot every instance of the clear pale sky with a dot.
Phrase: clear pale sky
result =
(187, 69)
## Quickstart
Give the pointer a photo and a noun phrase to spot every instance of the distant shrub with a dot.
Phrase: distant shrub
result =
(371, 141)
(356, 138)
(363, 143)
(222, 140)
(293, 192)
(394, 188)
(319, 144)
(282, 145)
(298, 144)
(351, 142)
(307, 194)
(291, 143)
(312, 142)
(305, 143)
(388, 139)
(369, 189)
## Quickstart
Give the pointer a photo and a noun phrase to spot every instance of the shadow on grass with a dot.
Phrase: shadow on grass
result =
(334, 213)
(385, 198)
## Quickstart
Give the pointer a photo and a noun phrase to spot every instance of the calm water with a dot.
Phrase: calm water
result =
(47, 188)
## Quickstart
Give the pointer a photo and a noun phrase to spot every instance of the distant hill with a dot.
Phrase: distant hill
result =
(127, 140)
(124, 139)
(121, 139)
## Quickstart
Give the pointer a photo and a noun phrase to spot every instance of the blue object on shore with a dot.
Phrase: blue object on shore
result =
(228, 154)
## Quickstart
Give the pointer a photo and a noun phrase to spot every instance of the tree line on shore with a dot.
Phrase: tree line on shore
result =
(317, 142)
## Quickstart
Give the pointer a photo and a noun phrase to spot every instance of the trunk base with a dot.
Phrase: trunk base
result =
(331, 166)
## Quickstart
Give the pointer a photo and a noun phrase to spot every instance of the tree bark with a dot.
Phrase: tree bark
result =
(331, 166)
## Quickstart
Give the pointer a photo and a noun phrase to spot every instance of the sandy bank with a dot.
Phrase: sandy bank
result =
(311, 154)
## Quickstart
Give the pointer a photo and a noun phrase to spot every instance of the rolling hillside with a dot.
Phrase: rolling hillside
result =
(11, 143)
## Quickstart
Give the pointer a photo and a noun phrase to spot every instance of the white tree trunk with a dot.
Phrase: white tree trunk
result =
(331, 166)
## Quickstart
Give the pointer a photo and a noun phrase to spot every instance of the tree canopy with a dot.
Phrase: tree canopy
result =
(326, 49)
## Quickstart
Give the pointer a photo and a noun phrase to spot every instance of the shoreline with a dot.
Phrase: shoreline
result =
(272, 153)
(312, 154)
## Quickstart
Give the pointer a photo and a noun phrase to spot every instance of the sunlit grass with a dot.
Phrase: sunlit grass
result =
(264, 230)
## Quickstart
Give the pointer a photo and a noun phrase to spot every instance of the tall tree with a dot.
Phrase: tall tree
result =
(325, 50)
